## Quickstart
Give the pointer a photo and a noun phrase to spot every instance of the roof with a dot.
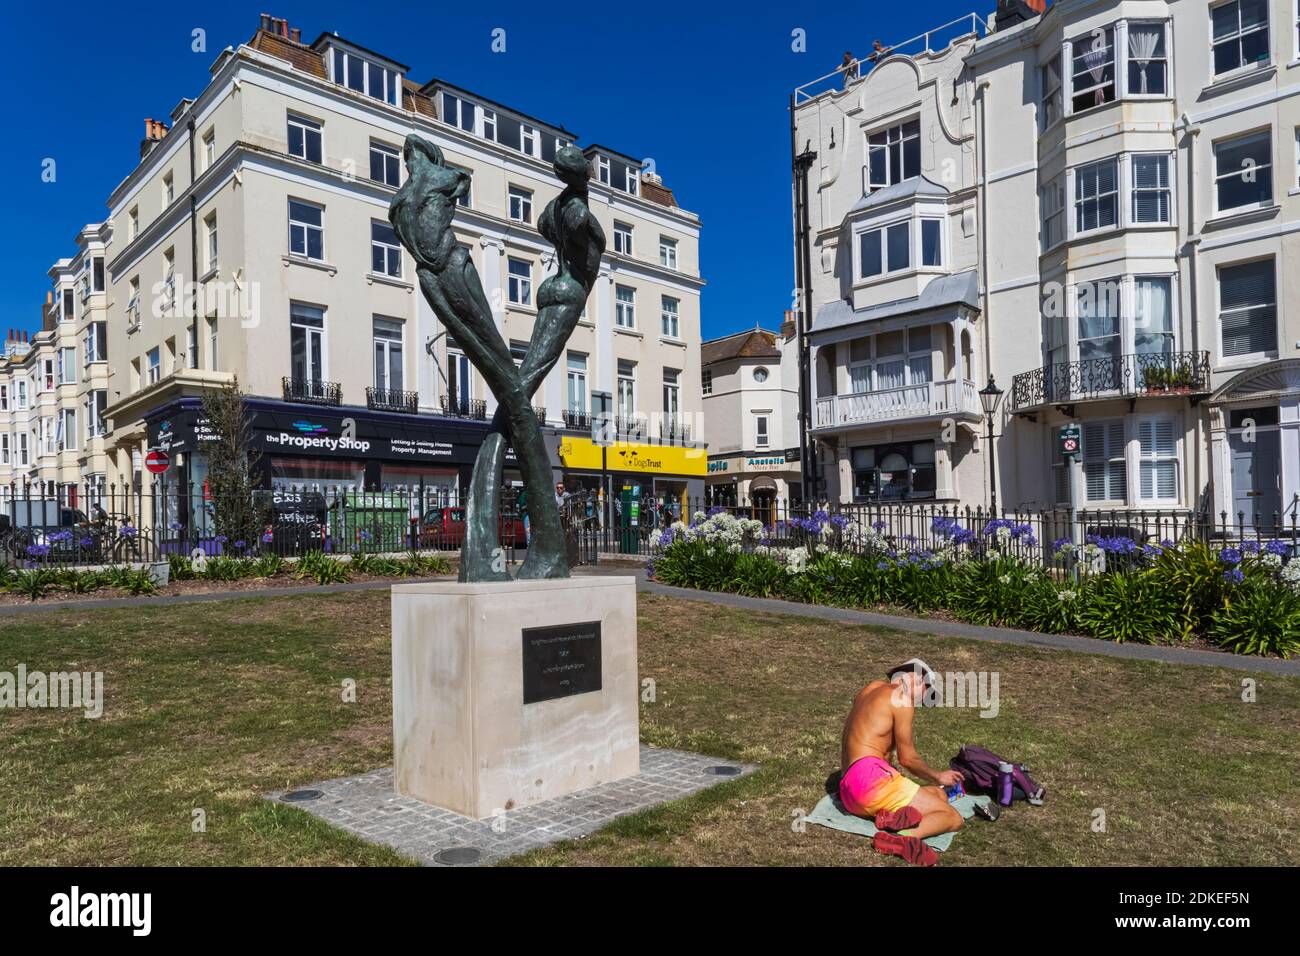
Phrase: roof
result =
(907, 189)
(436, 83)
(752, 343)
(960, 289)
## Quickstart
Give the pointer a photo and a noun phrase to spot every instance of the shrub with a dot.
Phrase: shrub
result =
(1051, 608)
(181, 568)
(322, 569)
(138, 582)
(34, 582)
(1193, 577)
(84, 582)
(990, 592)
(1125, 606)
(1260, 617)
(268, 565)
(222, 568)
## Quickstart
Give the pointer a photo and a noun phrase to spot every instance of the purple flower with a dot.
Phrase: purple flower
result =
(1230, 556)
(1276, 546)
(1234, 576)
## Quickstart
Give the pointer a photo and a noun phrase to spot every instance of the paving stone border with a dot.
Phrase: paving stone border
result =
(367, 806)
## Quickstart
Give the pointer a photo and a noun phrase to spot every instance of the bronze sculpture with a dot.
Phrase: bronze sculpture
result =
(422, 213)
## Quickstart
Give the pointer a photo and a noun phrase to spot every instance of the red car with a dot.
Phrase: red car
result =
(445, 528)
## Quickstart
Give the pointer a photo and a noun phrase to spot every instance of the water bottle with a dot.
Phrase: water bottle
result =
(1004, 783)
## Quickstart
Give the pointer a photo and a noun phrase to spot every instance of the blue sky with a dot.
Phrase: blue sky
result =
(702, 88)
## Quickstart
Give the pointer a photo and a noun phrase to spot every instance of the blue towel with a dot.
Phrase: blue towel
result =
(829, 812)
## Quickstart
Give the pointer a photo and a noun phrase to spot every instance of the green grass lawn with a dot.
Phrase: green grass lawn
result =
(211, 705)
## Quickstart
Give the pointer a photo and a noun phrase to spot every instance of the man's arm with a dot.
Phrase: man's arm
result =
(905, 746)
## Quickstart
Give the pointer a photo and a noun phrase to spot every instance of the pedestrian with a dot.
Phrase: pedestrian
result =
(849, 67)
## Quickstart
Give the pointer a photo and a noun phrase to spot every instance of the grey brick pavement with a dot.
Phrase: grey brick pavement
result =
(367, 806)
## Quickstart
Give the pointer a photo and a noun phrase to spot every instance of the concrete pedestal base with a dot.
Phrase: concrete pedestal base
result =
(464, 739)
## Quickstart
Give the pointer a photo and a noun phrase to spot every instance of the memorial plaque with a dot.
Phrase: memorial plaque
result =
(561, 661)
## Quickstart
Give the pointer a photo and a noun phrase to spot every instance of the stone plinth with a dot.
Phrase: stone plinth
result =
(463, 736)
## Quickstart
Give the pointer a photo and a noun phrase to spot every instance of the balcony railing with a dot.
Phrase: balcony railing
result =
(1148, 373)
(472, 408)
(575, 419)
(312, 391)
(392, 400)
(891, 404)
(674, 431)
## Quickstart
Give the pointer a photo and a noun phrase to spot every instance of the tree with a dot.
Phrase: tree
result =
(232, 464)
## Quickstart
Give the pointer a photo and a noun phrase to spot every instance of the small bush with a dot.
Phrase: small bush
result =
(181, 567)
(1126, 606)
(1259, 617)
(268, 565)
(35, 583)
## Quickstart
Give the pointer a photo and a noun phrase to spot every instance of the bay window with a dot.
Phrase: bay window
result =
(1049, 78)
(1096, 196)
(1150, 188)
(1093, 70)
(1153, 316)
(1098, 323)
(888, 248)
(1148, 60)
(1052, 206)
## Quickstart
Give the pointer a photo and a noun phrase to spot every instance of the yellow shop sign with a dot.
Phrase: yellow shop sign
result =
(584, 454)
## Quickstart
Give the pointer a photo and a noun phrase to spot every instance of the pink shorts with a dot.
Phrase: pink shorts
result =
(872, 784)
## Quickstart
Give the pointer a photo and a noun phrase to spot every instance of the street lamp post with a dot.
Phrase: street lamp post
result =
(990, 399)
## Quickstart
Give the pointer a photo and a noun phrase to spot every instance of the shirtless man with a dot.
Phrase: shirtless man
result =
(881, 722)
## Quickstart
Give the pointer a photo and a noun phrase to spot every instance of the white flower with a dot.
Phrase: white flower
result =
(1067, 595)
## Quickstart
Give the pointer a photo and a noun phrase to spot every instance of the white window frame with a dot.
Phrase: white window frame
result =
(706, 382)
(668, 245)
(390, 251)
(624, 307)
(66, 436)
(1260, 168)
(942, 223)
(210, 245)
(1246, 358)
(209, 149)
(762, 430)
(1075, 91)
(528, 139)
(625, 397)
(305, 230)
(672, 393)
(153, 365)
(169, 188)
(520, 201)
(1076, 201)
(1127, 51)
(391, 158)
(576, 381)
(901, 141)
(1049, 95)
(390, 80)
(488, 123)
(1240, 68)
(1055, 188)
(884, 228)
(622, 238)
(670, 316)
(307, 127)
(1109, 457)
(519, 285)
(1135, 189)
(1156, 458)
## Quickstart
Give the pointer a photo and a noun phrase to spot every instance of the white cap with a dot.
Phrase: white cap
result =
(916, 666)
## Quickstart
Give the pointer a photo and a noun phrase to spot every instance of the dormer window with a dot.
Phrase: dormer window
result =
(458, 112)
(365, 76)
(894, 155)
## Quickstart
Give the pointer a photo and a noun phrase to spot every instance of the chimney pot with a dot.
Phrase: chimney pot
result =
(266, 22)
(295, 34)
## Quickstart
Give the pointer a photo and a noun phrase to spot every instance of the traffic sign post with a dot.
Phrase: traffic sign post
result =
(157, 462)
(1069, 440)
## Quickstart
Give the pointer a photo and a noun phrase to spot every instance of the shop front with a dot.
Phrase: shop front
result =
(665, 480)
(766, 484)
(350, 456)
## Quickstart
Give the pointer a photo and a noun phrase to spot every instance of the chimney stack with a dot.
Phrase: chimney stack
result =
(295, 34)
(154, 130)
(787, 326)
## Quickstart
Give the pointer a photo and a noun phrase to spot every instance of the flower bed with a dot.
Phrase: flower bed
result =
(1244, 599)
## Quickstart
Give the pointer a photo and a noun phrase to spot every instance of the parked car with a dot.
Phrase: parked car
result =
(445, 528)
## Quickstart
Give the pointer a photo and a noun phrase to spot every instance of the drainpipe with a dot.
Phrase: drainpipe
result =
(981, 157)
(1192, 246)
(194, 248)
(800, 164)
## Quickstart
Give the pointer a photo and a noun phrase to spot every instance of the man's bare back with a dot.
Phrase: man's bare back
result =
(869, 729)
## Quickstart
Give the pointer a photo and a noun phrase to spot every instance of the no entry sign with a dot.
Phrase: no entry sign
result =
(157, 462)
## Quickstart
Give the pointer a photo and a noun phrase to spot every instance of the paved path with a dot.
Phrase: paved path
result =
(1082, 645)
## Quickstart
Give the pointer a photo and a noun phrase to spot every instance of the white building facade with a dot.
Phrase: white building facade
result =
(1133, 176)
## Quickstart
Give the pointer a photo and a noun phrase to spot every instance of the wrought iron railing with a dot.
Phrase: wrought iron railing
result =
(576, 419)
(1149, 373)
(674, 430)
(392, 400)
(472, 408)
(540, 412)
(312, 391)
